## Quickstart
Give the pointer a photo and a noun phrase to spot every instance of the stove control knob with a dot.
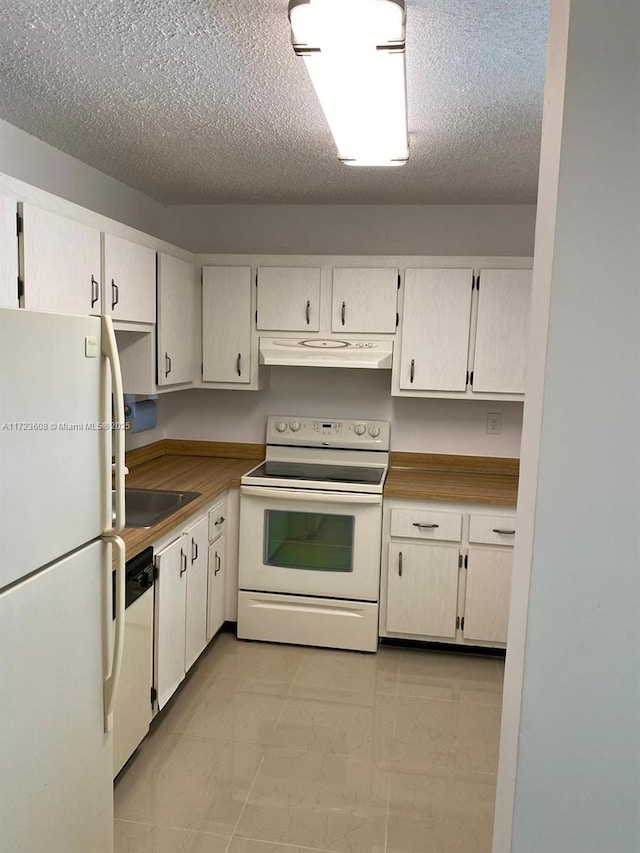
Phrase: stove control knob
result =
(374, 431)
(294, 426)
(359, 429)
(281, 426)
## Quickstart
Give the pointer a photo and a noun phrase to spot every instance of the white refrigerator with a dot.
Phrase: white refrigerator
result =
(60, 391)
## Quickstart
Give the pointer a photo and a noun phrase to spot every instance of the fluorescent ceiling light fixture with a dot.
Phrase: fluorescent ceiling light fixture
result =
(354, 53)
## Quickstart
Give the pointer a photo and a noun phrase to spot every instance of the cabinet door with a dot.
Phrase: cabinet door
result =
(197, 541)
(502, 331)
(422, 594)
(486, 610)
(61, 263)
(129, 280)
(171, 599)
(216, 588)
(176, 319)
(8, 252)
(364, 300)
(289, 299)
(226, 324)
(435, 329)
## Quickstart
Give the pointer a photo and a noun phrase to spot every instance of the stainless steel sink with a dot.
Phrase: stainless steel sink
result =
(146, 507)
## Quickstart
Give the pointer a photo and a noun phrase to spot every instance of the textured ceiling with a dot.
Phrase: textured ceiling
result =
(204, 101)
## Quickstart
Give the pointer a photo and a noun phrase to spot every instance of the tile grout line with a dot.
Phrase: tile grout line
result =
(255, 778)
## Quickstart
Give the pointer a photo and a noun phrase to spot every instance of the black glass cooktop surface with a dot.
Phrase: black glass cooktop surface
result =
(318, 473)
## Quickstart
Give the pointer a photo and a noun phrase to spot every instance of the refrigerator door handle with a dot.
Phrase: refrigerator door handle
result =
(110, 351)
(112, 680)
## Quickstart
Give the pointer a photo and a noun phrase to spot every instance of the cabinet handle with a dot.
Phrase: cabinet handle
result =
(412, 370)
(344, 311)
(400, 564)
(183, 562)
(194, 550)
(218, 564)
(167, 364)
(95, 291)
(503, 532)
(307, 311)
(239, 364)
(425, 526)
(219, 521)
(115, 294)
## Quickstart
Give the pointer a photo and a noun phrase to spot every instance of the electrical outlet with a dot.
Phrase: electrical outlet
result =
(494, 423)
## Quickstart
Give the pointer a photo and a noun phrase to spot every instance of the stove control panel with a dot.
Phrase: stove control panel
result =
(320, 432)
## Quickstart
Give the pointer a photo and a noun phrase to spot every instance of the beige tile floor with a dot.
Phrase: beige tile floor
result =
(283, 749)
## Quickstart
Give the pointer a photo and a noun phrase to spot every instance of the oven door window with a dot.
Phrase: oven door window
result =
(313, 541)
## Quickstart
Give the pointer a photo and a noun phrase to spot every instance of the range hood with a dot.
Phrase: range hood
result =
(327, 352)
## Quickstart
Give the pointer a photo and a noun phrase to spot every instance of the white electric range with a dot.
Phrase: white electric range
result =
(310, 533)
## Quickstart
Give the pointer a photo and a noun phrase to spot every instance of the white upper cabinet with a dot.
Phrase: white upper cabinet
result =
(502, 331)
(61, 263)
(226, 324)
(435, 329)
(8, 252)
(176, 320)
(289, 299)
(129, 287)
(364, 300)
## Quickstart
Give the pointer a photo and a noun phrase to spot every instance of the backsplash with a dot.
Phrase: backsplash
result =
(417, 424)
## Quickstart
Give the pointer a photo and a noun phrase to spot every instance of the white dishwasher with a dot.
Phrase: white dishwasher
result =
(132, 711)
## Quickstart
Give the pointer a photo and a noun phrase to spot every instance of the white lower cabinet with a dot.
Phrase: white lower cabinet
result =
(422, 589)
(446, 572)
(190, 595)
(217, 567)
(486, 612)
(196, 608)
(216, 587)
(170, 623)
(181, 607)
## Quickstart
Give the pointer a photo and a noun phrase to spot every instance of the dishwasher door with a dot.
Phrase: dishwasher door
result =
(133, 709)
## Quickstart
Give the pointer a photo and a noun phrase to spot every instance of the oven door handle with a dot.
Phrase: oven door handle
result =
(315, 497)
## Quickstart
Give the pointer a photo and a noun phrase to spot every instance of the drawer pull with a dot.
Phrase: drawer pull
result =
(344, 311)
(400, 564)
(219, 521)
(412, 370)
(307, 311)
(425, 526)
(239, 364)
(503, 532)
(183, 562)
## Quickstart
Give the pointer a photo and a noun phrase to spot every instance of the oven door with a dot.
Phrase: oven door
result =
(310, 543)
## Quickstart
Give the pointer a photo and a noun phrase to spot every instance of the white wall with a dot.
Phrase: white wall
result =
(349, 229)
(30, 160)
(427, 426)
(577, 751)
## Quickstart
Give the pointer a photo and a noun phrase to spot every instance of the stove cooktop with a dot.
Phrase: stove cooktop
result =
(301, 472)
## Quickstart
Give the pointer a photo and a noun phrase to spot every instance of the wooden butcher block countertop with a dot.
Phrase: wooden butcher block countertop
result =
(191, 466)
(460, 479)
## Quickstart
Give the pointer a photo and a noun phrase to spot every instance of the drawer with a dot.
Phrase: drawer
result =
(426, 524)
(217, 520)
(492, 529)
